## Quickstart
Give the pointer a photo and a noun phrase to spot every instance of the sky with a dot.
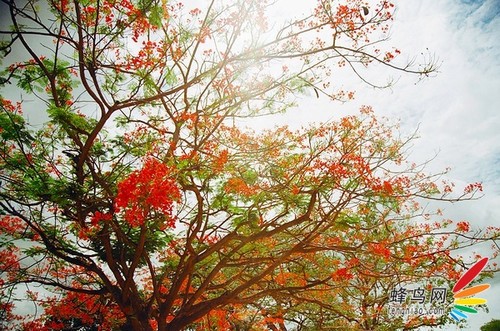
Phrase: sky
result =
(456, 111)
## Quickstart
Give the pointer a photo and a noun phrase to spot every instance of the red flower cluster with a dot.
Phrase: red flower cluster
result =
(239, 186)
(98, 217)
(10, 106)
(342, 274)
(463, 227)
(471, 188)
(148, 190)
(11, 225)
(385, 187)
(380, 249)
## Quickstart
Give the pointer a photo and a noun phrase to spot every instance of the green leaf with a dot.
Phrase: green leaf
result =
(12, 126)
(155, 16)
(250, 176)
(70, 120)
(170, 77)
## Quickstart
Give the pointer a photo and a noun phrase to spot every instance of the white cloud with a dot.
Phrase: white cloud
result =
(456, 111)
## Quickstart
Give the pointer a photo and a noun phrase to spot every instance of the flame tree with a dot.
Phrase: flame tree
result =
(138, 204)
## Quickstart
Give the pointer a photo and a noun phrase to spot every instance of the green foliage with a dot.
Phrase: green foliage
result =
(69, 120)
(156, 15)
(52, 77)
(250, 176)
(493, 325)
(13, 127)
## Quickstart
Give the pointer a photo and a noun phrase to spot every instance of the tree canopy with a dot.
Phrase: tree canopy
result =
(493, 325)
(139, 203)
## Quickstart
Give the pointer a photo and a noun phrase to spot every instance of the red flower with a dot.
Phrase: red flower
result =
(342, 274)
(463, 227)
(98, 216)
(380, 249)
(148, 190)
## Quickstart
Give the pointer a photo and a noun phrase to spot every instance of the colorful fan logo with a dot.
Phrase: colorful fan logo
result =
(464, 297)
